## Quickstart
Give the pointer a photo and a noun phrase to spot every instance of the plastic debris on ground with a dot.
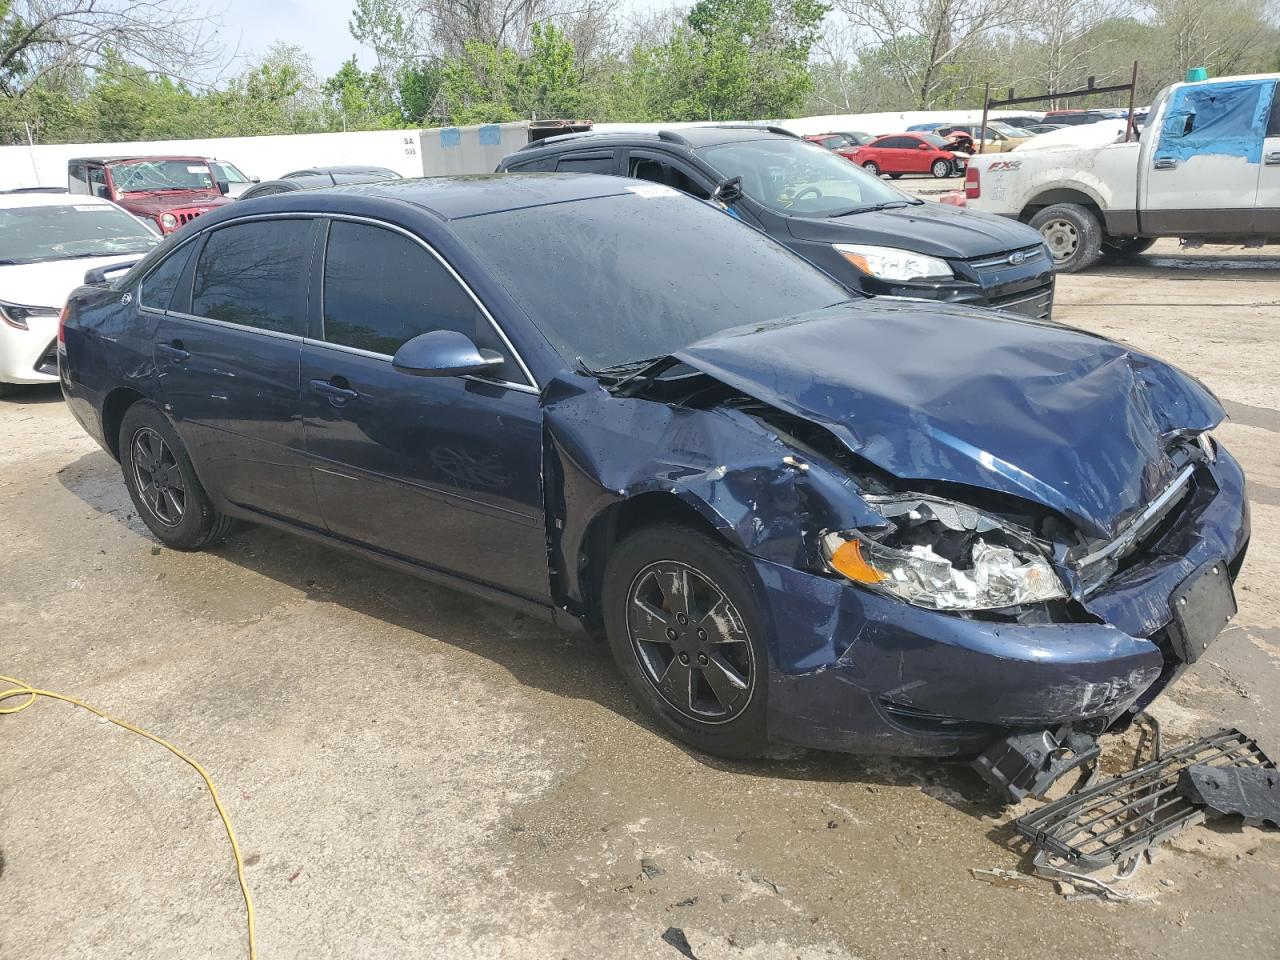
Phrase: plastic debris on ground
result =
(1117, 823)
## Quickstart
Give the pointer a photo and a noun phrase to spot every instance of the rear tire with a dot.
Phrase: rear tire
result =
(1073, 234)
(895, 176)
(941, 169)
(872, 168)
(163, 484)
(683, 622)
(1122, 247)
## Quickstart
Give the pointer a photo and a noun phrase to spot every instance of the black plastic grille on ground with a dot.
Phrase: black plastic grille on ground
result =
(1114, 821)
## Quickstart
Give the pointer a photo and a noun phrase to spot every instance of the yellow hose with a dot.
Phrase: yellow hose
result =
(31, 694)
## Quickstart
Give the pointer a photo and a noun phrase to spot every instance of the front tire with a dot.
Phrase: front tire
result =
(872, 168)
(682, 617)
(941, 169)
(163, 484)
(1073, 234)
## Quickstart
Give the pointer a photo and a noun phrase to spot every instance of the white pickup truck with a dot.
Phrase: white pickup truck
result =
(1206, 168)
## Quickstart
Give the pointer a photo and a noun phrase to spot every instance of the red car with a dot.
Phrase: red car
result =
(900, 153)
(169, 191)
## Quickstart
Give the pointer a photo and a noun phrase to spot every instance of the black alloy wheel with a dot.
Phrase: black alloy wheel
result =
(158, 477)
(690, 642)
(162, 482)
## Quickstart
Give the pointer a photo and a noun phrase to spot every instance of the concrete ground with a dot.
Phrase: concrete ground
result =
(414, 773)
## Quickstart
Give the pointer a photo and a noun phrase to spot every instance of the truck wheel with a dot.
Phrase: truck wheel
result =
(1121, 247)
(1073, 234)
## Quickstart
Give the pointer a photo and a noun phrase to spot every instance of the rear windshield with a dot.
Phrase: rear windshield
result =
(620, 279)
(67, 231)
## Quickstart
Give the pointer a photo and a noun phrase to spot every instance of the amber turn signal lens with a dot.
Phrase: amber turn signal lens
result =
(848, 559)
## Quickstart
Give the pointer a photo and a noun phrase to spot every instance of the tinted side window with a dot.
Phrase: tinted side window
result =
(254, 274)
(382, 289)
(596, 164)
(896, 143)
(1273, 123)
(644, 168)
(159, 285)
(541, 165)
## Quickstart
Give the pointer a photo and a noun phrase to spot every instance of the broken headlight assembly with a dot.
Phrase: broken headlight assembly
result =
(942, 555)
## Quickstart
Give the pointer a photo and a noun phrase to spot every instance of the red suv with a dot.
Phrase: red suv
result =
(900, 153)
(170, 191)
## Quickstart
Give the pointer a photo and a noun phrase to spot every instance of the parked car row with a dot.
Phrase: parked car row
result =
(796, 513)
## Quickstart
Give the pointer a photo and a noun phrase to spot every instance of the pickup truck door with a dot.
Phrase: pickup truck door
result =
(1266, 213)
(1201, 175)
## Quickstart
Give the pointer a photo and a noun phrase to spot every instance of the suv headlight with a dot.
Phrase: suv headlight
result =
(168, 221)
(890, 263)
(942, 555)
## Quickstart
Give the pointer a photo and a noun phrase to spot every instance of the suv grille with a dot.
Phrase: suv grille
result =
(1037, 304)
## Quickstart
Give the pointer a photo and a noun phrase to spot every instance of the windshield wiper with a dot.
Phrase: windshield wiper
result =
(872, 207)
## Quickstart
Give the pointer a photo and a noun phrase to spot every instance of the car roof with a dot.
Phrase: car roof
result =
(458, 197)
(696, 136)
(11, 200)
(325, 171)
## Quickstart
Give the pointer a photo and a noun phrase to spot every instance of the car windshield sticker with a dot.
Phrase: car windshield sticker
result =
(654, 190)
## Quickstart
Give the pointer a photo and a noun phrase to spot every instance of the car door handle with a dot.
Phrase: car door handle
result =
(173, 351)
(1272, 159)
(335, 389)
(1165, 163)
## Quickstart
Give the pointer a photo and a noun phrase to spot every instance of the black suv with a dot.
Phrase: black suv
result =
(870, 235)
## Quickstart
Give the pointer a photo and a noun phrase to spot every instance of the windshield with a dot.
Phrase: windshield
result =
(641, 275)
(228, 172)
(147, 175)
(65, 231)
(796, 177)
(1006, 129)
(942, 143)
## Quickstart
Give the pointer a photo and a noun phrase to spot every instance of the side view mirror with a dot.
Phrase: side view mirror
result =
(443, 353)
(224, 187)
(255, 179)
(728, 192)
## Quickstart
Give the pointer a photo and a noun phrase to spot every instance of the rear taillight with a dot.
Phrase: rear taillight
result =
(972, 184)
(62, 323)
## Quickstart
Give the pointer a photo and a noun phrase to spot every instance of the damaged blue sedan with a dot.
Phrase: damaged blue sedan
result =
(798, 515)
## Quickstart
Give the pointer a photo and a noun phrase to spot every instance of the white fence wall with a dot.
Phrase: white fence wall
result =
(265, 157)
(413, 153)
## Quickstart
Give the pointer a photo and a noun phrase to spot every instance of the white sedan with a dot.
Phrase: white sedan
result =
(47, 242)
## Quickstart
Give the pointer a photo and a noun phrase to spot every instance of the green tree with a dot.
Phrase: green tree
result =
(734, 59)
(362, 100)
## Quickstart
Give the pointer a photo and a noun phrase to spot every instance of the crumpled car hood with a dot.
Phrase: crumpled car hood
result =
(1054, 415)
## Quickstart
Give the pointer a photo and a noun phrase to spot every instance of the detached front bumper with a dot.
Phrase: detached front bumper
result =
(863, 673)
